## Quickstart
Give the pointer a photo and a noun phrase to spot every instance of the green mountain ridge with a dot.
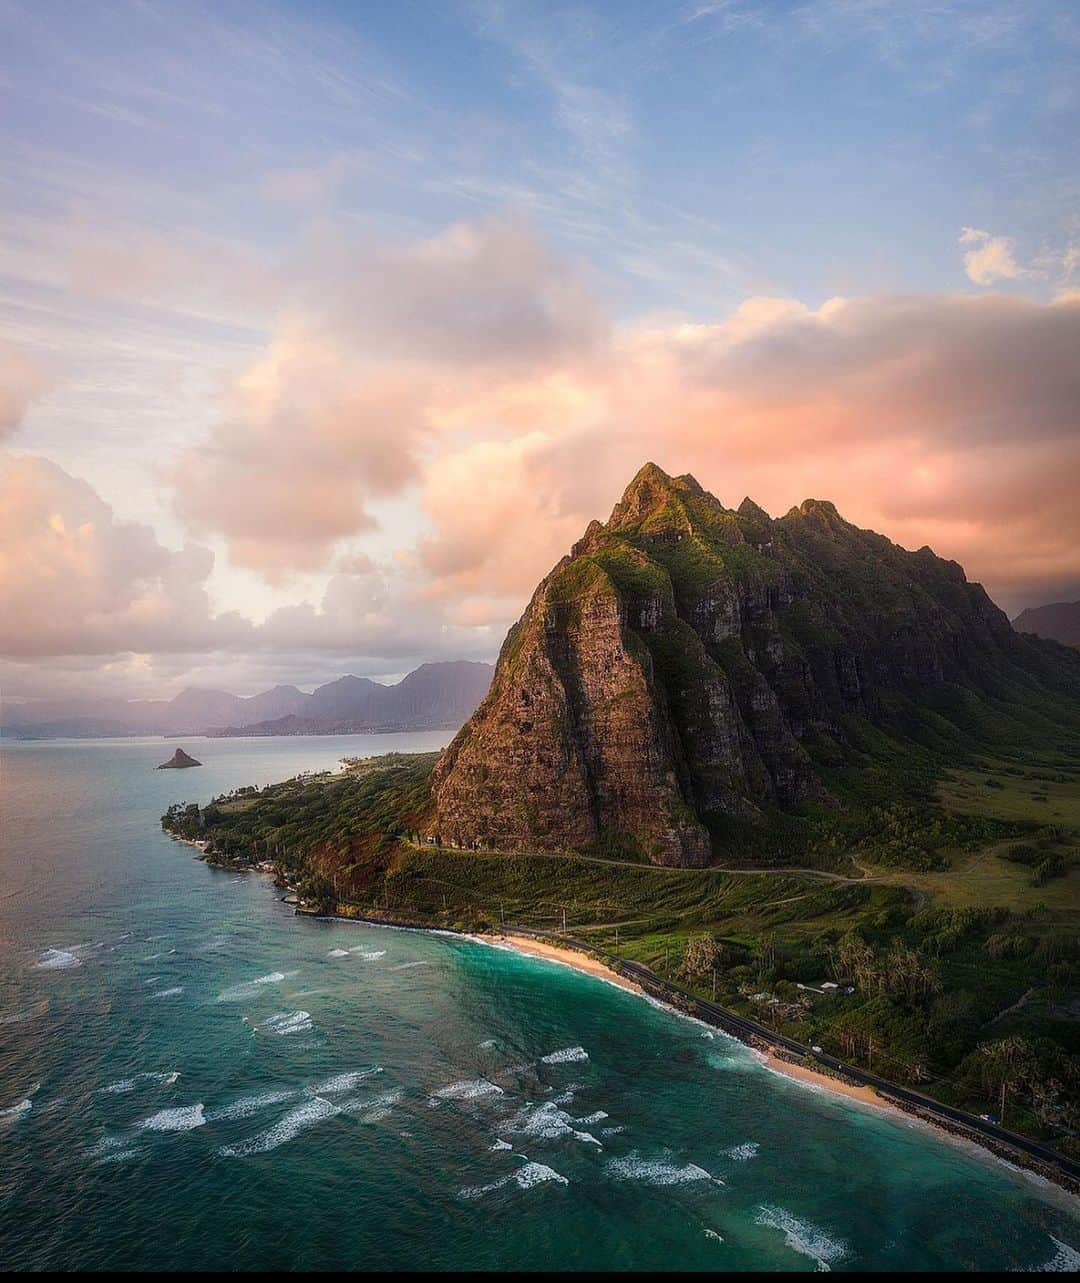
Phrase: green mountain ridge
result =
(690, 669)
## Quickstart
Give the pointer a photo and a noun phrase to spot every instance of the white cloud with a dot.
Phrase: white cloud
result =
(991, 258)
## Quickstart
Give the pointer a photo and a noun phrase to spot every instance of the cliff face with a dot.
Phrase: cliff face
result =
(670, 673)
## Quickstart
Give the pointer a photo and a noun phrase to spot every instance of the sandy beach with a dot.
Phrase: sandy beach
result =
(594, 967)
(570, 958)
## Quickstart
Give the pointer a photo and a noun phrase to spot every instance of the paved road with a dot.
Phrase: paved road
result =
(747, 1029)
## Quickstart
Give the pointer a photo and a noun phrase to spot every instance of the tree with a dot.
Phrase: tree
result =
(703, 955)
(1004, 1067)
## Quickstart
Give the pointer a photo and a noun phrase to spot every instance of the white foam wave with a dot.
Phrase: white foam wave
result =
(802, 1237)
(527, 1177)
(182, 1119)
(129, 1084)
(713, 1234)
(741, 1153)
(565, 1056)
(119, 1156)
(651, 1171)
(309, 1114)
(375, 1109)
(373, 955)
(346, 1082)
(14, 1111)
(168, 993)
(499, 1145)
(1066, 1259)
(548, 1122)
(57, 960)
(249, 988)
(590, 1119)
(246, 1106)
(407, 966)
(284, 1023)
(338, 953)
(471, 1090)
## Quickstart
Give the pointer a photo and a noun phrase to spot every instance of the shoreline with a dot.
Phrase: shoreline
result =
(772, 1058)
(796, 1071)
(799, 1071)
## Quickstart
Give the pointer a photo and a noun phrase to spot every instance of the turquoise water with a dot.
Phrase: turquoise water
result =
(191, 1077)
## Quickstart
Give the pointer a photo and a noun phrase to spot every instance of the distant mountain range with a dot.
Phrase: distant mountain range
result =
(1059, 621)
(430, 697)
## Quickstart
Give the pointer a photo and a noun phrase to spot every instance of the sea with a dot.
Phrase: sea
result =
(192, 1077)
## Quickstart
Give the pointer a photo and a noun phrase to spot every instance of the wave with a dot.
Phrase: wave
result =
(376, 1108)
(499, 1145)
(168, 993)
(346, 1082)
(802, 1237)
(742, 1152)
(284, 1023)
(249, 988)
(652, 1171)
(57, 960)
(527, 1177)
(129, 1084)
(15, 1111)
(246, 1106)
(1066, 1259)
(373, 955)
(471, 1090)
(182, 1119)
(309, 1114)
(590, 1119)
(338, 953)
(565, 1056)
(548, 1122)
(407, 966)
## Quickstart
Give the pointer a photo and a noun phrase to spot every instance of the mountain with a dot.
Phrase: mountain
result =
(430, 697)
(689, 668)
(1058, 622)
(434, 695)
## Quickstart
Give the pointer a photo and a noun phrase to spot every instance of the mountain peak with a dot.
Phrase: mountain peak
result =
(653, 491)
(661, 690)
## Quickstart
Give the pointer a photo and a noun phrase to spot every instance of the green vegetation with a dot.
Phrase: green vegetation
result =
(961, 952)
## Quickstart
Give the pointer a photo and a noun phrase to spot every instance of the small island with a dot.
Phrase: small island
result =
(179, 761)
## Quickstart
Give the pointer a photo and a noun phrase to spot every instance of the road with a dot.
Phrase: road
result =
(749, 1030)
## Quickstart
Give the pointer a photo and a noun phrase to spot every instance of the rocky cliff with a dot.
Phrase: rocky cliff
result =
(689, 663)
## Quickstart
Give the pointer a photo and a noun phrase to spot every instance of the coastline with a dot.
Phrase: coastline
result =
(773, 1059)
(797, 1071)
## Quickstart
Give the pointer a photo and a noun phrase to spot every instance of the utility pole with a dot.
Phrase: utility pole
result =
(564, 919)
(714, 984)
(616, 937)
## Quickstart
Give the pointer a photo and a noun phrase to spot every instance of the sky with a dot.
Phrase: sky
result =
(326, 328)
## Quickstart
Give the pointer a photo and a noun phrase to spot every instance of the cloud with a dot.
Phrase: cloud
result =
(991, 258)
(476, 371)
(92, 596)
(395, 347)
(22, 381)
(933, 418)
(76, 580)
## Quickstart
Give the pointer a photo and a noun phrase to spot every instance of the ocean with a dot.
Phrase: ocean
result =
(191, 1077)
